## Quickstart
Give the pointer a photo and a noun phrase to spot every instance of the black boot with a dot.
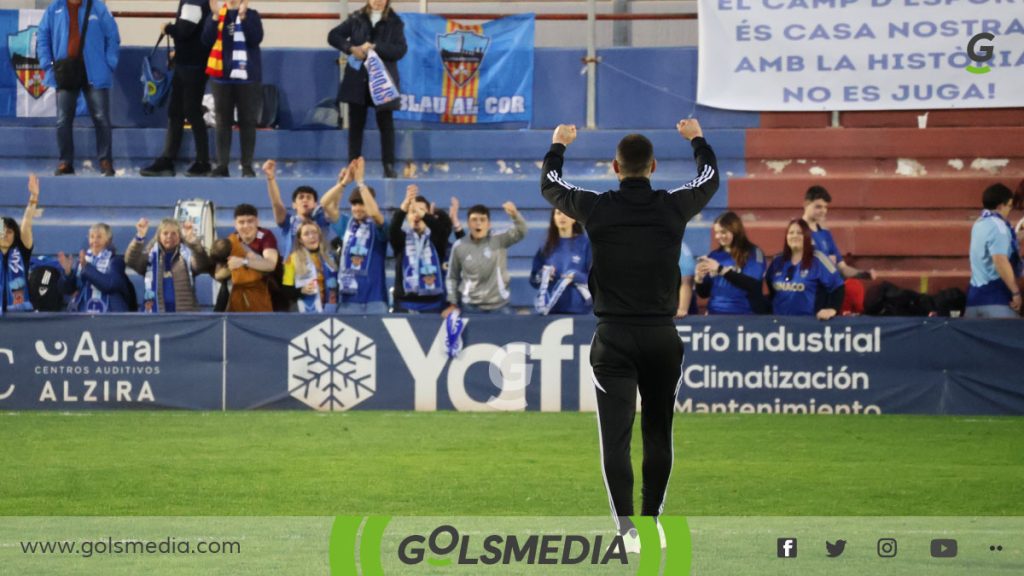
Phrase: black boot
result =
(199, 169)
(389, 171)
(162, 166)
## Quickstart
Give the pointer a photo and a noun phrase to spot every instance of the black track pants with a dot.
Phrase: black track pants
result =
(626, 358)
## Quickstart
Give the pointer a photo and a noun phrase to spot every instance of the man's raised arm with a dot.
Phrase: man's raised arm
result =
(572, 200)
(695, 194)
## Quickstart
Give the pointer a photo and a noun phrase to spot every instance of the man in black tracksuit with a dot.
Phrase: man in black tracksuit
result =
(635, 234)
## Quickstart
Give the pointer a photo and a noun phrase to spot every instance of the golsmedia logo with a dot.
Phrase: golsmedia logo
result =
(359, 545)
(510, 549)
(980, 53)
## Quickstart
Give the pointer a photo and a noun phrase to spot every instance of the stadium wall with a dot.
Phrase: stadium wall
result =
(305, 362)
(637, 88)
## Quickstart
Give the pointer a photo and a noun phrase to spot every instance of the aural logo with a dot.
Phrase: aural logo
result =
(332, 366)
(58, 356)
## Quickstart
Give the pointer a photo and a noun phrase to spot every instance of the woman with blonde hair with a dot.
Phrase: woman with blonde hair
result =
(169, 264)
(309, 273)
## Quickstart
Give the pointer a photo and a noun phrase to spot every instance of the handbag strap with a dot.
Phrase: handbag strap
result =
(158, 41)
(85, 30)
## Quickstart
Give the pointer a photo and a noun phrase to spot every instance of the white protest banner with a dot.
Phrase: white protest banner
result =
(791, 55)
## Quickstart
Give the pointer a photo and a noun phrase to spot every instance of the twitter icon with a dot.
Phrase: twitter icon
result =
(835, 550)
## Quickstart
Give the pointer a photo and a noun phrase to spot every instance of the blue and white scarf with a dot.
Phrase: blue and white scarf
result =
(421, 268)
(316, 303)
(547, 298)
(167, 285)
(15, 285)
(1014, 256)
(95, 300)
(382, 87)
(453, 326)
(239, 53)
(356, 253)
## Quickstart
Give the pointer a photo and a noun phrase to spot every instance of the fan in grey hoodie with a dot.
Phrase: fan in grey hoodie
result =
(478, 267)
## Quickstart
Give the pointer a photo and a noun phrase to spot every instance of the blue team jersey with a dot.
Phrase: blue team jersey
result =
(825, 243)
(570, 255)
(726, 297)
(290, 228)
(796, 289)
(372, 286)
(991, 235)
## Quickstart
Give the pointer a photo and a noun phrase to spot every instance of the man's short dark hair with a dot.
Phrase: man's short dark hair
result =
(356, 197)
(634, 155)
(246, 210)
(478, 209)
(305, 190)
(422, 199)
(817, 193)
(995, 196)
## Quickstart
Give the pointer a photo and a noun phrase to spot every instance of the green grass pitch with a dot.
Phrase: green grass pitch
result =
(400, 463)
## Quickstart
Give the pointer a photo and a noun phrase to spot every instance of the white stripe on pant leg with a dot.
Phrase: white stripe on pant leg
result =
(672, 439)
(600, 444)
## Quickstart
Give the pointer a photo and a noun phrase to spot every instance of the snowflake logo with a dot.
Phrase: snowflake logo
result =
(332, 366)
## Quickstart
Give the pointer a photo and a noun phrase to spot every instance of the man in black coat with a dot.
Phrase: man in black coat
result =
(373, 27)
(188, 84)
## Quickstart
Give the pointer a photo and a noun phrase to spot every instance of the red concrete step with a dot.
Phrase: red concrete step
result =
(896, 118)
(756, 214)
(898, 238)
(896, 166)
(991, 142)
(863, 192)
(923, 263)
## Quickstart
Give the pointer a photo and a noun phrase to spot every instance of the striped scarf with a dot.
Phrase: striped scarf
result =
(215, 63)
(159, 277)
(239, 51)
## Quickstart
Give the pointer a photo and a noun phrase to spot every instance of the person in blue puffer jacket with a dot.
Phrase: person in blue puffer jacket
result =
(60, 36)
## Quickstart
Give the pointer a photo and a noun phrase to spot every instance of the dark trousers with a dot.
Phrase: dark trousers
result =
(627, 358)
(188, 84)
(98, 101)
(247, 99)
(357, 123)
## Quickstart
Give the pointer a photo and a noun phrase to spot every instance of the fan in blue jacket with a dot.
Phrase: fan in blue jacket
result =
(102, 44)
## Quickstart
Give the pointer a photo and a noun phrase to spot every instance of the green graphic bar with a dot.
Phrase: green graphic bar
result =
(370, 545)
(344, 533)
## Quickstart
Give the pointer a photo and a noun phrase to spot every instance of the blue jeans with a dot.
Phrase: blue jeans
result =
(361, 308)
(98, 101)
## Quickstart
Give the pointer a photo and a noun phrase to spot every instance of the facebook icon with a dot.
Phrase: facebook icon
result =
(787, 547)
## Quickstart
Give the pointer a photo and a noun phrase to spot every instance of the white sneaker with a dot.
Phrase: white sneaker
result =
(631, 541)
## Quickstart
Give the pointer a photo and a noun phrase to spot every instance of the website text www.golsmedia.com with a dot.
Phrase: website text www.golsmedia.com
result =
(122, 546)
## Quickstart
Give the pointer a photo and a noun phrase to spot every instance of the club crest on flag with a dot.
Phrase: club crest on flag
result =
(22, 47)
(461, 52)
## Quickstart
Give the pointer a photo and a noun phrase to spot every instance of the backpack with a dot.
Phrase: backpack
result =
(268, 112)
(45, 278)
